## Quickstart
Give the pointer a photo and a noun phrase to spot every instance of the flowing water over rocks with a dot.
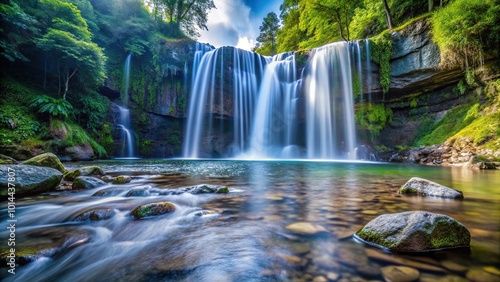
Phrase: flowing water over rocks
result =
(279, 221)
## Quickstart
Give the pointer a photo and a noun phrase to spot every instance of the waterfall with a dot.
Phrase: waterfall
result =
(124, 122)
(329, 103)
(127, 135)
(281, 107)
(126, 79)
(275, 122)
(222, 87)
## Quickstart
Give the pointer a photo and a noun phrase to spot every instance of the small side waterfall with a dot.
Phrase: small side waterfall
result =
(127, 136)
(279, 109)
(125, 124)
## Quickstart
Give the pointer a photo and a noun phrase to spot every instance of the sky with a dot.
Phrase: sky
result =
(236, 22)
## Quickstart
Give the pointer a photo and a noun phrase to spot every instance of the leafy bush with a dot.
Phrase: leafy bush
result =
(374, 118)
(381, 52)
(58, 108)
(466, 30)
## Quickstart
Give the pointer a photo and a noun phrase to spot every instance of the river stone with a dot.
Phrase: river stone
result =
(400, 273)
(107, 178)
(426, 187)
(205, 188)
(27, 254)
(111, 191)
(417, 231)
(122, 179)
(83, 171)
(87, 182)
(29, 179)
(152, 209)
(7, 160)
(46, 160)
(95, 215)
(138, 192)
(479, 275)
(306, 228)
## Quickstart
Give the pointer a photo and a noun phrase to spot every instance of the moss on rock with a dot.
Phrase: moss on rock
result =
(152, 209)
(46, 160)
(122, 179)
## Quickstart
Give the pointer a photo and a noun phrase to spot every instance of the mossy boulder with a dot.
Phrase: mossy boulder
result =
(29, 179)
(122, 179)
(25, 255)
(424, 187)
(96, 214)
(138, 192)
(7, 160)
(46, 160)
(83, 171)
(87, 182)
(416, 231)
(152, 209)
(111, 191)
(205, 189)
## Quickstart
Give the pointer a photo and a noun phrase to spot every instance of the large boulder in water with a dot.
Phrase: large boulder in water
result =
(29, 179)
(416, 231)
(152, 209)
(426, 187)
(7, 160)
(83, 171)
(46, 160)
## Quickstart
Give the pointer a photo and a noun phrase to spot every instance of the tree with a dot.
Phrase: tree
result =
(387, 14)
(268, 33)
(290, 35)
(317, 17)
(18, 29)
(185, 15)
(68, 41)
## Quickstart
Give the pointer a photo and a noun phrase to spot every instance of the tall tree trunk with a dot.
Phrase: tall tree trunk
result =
(431, 5)
(66, 83)
(387, 14)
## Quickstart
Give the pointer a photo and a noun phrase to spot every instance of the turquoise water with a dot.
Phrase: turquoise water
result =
(242, 235)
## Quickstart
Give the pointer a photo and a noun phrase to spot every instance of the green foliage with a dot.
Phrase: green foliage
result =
(381, 52)
(268, 34)
(465, 30)
(374, 118)
(75, 136)
(91, 110)
(105, 138)
(17, 29)
(57, 108)
(357, 85)
(290, 35)
(145, 147)
(455, 120)
(413, 102)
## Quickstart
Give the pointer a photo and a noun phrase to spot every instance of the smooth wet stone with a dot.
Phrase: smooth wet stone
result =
(29, 179)
(379, 256)
(83, 171)
(306, 228)
(121, 179)
(107, 178)
(416, 231)
(332, 276)
(95, 215)
(27, 254)
(479, 275)
(46, 160)
(138, 192)
(434, 278)
(320, 279)
(112, 191)
(454, 266)
(492, 269)
(152, 209)
(205, 188)
(7, 160)
(400, 274)
(87, 182)
(424, 187)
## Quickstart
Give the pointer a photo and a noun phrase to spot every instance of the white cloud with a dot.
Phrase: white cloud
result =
(227, 24)
(245, 43)
(234, 23)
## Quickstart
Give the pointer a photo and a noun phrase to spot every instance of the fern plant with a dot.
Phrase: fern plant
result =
(58, 108)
